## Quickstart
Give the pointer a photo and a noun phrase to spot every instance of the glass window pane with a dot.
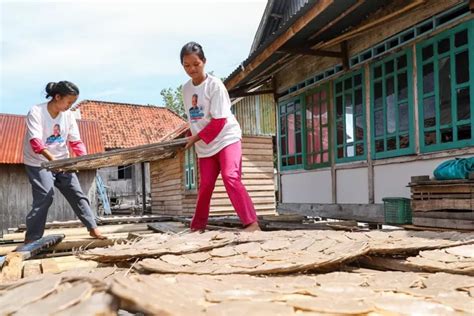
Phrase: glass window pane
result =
(429, 112)
(389, 67)
(443, 45)
(340, 133)
(325, 157)
(359, 149)
(401, 62)
(403, 117)
(463, 104)
(402, 86)
(404, 141)
(339, 107)
(378, 122)
(349, 119)
(350, 151)
(298, 143)
(340, 152)
(283, 125)
(291, 161)
(460, 38)
(317, 141)
(357, 80)
(291, 134)
(430, 138)
(447, 135)
(390, 89)
(324, 113)
(298, 122)
(348, 84)
(309, 143)
(379, 146)
(391, 117)
(427, 52)
(358, 101)
(377, 71)
(462, 67)
(378, 102)
(283, 146)
(391, 143)
(428, 78)
(359, 130)
(445, 90)
(282, 109)
(339, 87)
(284, 162)
(325, 134)
(464, 132)
(299, 160)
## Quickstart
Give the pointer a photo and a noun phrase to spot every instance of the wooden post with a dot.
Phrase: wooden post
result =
(416, 115)
(277, 133)
(143, 188)
(345, 55)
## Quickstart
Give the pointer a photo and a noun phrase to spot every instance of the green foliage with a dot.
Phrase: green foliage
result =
(173, 99)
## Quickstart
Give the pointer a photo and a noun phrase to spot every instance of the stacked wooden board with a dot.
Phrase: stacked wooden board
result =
(444, 204)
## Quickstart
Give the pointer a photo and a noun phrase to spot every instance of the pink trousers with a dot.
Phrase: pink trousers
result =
(229, 163)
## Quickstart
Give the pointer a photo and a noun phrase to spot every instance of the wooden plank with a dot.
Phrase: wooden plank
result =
(444, 223)
(416, 179)
(49, 266)
(468, 215)
(12, 267)
(31, 268)
(445, 204)
(435, 196)
(442, 189)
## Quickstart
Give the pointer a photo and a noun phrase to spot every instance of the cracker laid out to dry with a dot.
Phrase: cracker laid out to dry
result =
(275, 254)
(459, 259)
(334, 293)
(157, 245)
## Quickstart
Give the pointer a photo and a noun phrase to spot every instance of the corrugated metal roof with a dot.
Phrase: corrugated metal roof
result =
(13, 131)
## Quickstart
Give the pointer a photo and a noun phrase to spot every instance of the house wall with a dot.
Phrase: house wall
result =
(16, 197)
(256, 115)
(128, 190)
(169, 196)
(366, 181)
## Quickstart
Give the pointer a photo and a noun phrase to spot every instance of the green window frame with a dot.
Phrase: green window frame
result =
(391, 104)
(291, 133)
(349, 119)
(316, 128)
(445, 75)
(190, 169)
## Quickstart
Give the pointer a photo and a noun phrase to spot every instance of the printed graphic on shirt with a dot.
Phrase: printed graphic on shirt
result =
(195, 112)
(56, 137)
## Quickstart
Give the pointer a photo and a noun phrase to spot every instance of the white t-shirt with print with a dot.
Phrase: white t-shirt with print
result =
(55, 133)
(209, 100)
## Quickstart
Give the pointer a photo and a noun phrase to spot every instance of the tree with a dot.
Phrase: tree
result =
(173, 99)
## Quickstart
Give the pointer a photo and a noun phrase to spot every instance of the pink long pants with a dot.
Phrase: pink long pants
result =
(229, 163)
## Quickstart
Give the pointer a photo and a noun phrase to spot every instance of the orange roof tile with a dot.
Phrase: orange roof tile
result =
(13, 131)
(126, 125)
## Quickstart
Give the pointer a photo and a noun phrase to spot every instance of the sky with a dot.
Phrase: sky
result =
(116, 50)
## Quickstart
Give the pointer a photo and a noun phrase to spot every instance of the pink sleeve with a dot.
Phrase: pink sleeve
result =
(78, 148)
(37, 145)
(210, 132)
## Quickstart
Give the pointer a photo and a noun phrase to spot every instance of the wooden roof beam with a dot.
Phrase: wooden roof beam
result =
(299, 24)
(240, 94)
(471, 5)
(312, 52)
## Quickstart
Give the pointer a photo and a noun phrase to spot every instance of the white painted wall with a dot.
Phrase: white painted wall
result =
(352, 186)
(392, 180)
(307, 187)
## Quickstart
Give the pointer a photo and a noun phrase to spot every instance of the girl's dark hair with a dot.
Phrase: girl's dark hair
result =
(192, 48)
(62, 88)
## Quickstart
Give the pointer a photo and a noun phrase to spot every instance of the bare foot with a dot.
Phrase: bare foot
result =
(252, 227)
(95, 233)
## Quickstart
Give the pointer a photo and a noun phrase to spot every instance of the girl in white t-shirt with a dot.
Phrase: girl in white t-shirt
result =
(216, 136)
(51, 128)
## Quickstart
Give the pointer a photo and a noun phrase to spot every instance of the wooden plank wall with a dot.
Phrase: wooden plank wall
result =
(169, 197)
(167, 185)
(16, 197)
(257, 176)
